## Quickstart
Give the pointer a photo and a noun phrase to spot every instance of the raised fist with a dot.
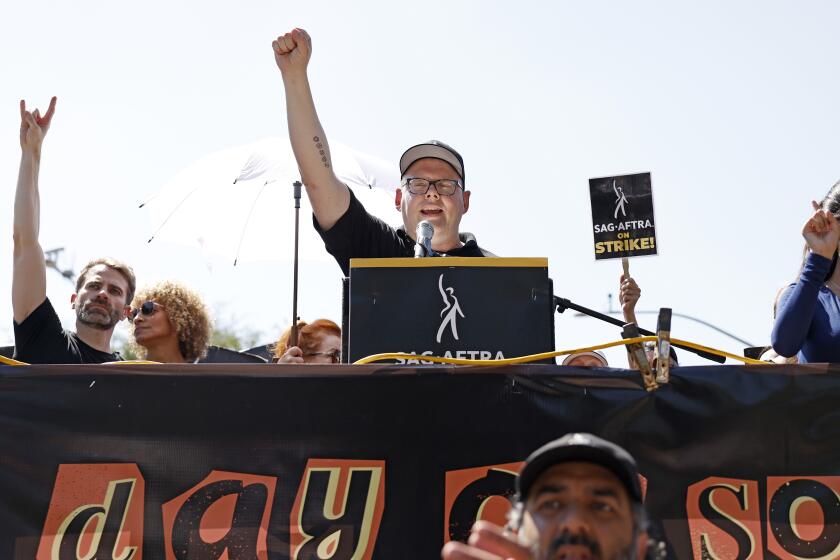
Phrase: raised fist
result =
(292, 51)
(822, 232)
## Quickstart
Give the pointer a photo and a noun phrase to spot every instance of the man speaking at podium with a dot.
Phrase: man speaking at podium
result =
(432, 187)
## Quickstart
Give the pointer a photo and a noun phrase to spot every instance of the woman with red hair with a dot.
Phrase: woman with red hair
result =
(319, 342)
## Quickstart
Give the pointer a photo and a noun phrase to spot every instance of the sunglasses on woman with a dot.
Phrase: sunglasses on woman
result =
(147, 309)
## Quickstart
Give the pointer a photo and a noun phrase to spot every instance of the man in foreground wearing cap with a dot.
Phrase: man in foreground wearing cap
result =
(432, 188)
(577, 497)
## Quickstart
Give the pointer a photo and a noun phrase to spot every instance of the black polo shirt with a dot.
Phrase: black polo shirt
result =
(358, 234)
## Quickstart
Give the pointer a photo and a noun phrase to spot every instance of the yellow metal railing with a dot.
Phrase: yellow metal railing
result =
(547, 355)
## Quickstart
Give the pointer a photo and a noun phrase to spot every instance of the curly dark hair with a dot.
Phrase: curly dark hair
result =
(186, 312)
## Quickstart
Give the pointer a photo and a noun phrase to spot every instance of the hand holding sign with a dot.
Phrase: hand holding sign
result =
(628, 295)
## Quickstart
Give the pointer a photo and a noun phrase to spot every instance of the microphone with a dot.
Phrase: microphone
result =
(424, 233)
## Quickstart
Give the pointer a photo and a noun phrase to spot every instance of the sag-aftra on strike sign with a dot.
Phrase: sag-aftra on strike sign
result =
(622, 216)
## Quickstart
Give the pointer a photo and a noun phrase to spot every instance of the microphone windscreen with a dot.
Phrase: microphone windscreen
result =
(425, 230)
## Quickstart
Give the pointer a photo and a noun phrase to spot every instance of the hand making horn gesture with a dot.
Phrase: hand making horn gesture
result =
(822, 232)
(34, 127)
(292, 51)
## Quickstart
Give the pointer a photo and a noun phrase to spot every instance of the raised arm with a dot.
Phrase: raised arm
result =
(797, 304)
(329, 197)
(29, 271)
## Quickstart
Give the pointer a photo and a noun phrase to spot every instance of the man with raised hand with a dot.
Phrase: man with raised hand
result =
(578, 497)
(103, 290)
(432, 186)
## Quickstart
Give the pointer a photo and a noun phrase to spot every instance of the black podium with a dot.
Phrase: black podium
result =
(476, 308)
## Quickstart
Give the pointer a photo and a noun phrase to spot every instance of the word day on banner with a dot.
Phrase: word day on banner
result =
(622, 216)
(256, 462)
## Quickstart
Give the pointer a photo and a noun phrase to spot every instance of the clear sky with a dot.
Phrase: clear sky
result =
(732, 106)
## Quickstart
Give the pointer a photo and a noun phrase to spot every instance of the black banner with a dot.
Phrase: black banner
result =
(275, 462)
(622, 216)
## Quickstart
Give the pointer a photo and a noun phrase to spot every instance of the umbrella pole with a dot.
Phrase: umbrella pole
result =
(293, 335)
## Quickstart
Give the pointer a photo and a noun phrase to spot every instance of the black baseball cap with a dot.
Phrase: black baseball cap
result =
(580, 447)
(433, 149)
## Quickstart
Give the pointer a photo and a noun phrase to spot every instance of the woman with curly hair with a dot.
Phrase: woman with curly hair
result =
(319, 342)
(170, 323)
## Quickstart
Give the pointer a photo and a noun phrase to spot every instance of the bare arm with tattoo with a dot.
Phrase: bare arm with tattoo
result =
(329, 197)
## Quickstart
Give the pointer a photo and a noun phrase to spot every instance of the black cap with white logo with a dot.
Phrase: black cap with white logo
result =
(433, 149)
(582, 447)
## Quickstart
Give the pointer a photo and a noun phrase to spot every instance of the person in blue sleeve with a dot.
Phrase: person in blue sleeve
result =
(808, 316)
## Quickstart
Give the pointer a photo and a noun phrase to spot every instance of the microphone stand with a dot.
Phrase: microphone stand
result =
(562, 304)
(425, 250)
(293, 333)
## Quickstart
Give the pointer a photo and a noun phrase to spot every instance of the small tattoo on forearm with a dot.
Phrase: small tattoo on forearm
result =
(320, 147)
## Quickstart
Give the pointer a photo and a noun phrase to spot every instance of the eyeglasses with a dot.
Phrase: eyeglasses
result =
(444, 187)
(335, 355)
(147, 309)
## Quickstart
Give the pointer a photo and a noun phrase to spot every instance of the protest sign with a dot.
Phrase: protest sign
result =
(622, 216)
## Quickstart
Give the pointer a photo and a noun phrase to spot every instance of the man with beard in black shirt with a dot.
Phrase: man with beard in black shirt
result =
(432, 187)
(103, 290)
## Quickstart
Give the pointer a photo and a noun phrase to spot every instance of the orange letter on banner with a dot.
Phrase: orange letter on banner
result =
(96, 511)
(803, 517)
(724, 519)
(223, 516)
(482, 493)
(338, 510)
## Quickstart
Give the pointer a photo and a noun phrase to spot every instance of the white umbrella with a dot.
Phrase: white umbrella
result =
(238, 202)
